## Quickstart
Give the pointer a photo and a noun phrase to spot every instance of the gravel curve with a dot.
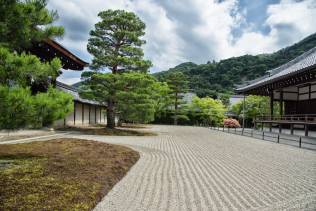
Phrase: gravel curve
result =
(194, 168)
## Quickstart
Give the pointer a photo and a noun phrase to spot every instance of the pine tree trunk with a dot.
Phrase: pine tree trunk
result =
(110, 115)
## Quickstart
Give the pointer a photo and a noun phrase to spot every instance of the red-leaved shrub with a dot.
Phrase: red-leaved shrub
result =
(232, 123)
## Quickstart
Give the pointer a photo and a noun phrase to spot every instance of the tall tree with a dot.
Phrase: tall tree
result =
(178, 84)
(116, 44)
(23, 22)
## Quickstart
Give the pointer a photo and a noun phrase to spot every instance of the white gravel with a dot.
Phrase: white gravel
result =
(190, 168)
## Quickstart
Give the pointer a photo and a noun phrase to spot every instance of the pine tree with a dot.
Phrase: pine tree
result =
(116, 44)
(24, 22)
(178, 84)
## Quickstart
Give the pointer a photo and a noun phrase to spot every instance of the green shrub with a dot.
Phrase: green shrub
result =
(51, 106)
(16, 107)
(20, 109)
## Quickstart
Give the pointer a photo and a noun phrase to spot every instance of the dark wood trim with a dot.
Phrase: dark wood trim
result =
(297, 99)
(65, 52)
(89, 114)
(95, 114)
(309, 98)
(74, 112)
(271, 108)
(290, 92)
(305, 76)
(82, 107)
(281, 103)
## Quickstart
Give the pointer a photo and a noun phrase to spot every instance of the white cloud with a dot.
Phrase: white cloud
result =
(192, 30)
(289, 21)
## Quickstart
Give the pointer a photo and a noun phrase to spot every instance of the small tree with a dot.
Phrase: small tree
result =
(51, 106)
(178, 84)
(254, 106)
(225, 98)
(116, 44)
(163, 99)
(207, 111)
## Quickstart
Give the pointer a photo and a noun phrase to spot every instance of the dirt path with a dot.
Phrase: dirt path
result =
(188, 168)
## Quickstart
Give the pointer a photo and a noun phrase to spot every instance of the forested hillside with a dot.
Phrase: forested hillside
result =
(221, 77)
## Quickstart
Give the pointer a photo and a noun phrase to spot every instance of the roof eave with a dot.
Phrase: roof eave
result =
(243, 90)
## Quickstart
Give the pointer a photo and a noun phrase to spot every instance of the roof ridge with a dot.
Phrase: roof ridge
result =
(300, 63)
(292, 62)
(66, 86)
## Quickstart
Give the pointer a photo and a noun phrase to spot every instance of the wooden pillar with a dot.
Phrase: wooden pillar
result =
(82, 107)
(104, 118)
(309, 98)
(243, 114)
(74, 112)
(100, 114)
(89, 114)
(297, 100)
(281, 102)
(95, 114)
(306, 130)
(271, 108)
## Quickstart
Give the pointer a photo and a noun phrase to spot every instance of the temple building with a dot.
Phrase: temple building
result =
(85, 111)
(293, 85)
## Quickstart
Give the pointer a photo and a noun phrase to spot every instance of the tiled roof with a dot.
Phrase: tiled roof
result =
(73, 91)
(300, 63)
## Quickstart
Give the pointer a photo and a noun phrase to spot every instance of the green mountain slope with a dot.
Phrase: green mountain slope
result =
(221, 77)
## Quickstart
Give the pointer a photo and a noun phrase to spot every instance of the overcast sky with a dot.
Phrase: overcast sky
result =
(193, 30)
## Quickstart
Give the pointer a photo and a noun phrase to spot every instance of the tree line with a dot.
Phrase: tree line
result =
(214, 79)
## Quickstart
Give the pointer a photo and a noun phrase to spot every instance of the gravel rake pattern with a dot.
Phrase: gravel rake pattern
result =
(192, 168)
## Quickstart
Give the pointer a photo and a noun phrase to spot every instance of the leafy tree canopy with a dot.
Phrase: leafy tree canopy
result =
(207, 111)
(134, 94)
(26, 70)
(255, 106)
(22, 22)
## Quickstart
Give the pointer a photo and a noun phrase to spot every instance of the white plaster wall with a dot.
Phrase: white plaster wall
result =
(92, 117)
(86, 114)
(78, 108)
(289, 96)
(98, 114)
